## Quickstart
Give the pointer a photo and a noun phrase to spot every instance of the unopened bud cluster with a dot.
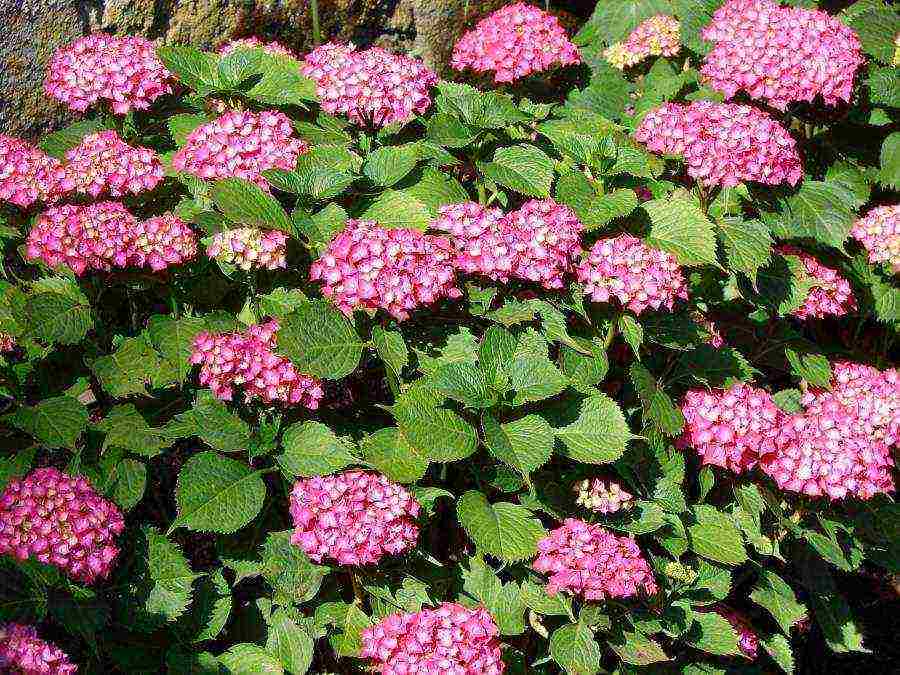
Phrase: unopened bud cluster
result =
(659, 35)
(250, 248)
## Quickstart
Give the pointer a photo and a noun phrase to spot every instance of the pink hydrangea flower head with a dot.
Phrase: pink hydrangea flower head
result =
(447, 639)
(748, 641)
(483, 245)
(60, 520)
(636, 275)
(515, 41)
(602, 496)
(162, 241)
(831, 294)
(28, 175)
(371, 267)
(731, 427)
(590, 561)
(248, 359)
(124, 71)
(659, 35)
(369, 86)
(354, 518)
(7, 343)
(272, 48)
(723, 143)
(879, 233)
(780, 54)
(22, 651)
(250, 248)
(241, 144)
(104, 163)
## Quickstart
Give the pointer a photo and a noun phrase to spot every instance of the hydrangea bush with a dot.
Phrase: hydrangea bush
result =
(579, 359)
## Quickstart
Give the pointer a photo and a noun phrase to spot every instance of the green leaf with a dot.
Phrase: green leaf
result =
(463, 382)
(291, 644)
(399, 208)
(250, 659)
(283, 84)
(449, 131)
(174, 339)
(495, 354)
(605, 208)
(390, 453)
(813, 368)
(130, 482)
(162, 578)
(312, 449)
(318, 183)
(819, 210)
(780, 650)
(195, 69)
(281, 302)
(607, 94)
(391, 348)
(386, 166)
(239, 65)
(213, 423)
(633, 333)
(890, 161)
(712, 633)
(503, 601)
(217, 494)
(715, 536)
(59, 142)
(295, 578)
(320, 341)
(129, 369)
(574, 649)
(246, 203)
(877, 27)
(789, 400)
(781, 286)
(522, 168)
(441, 435)
(209, 612)
(535, 378)
(125, 428)
(181, 126)
(884, 86)
(56, 422)
(584, 368)
(506, 531)
(600, 433)
(747, 245)
(657, 404)
(773, 594)
(829, 607)
(524, 444)
(637, 649)
(58, 318)
(15, 466)
(613, 20)
(677, 225)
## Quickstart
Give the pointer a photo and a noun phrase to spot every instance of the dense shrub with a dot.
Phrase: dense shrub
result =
(327, 364)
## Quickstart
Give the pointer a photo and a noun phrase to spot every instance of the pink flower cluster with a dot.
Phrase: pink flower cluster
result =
(370, 86)
(780, 54)
(730, 427)
(449, 639)
(272, 48)
(602, 496)
(28, 175)
(638, 276)
(229, 360)
(22, 651)
(515, 41)
(659, 35)
(60, 520)
(593, 562)
(250, 248)
(723, 143)
(105, 235)
(353, 518)
(241, 144)
(7, 343)
(103, 162)
(371, 267)
(879, 233)
(715, 338)
(122, 70)
(748, 641)
(830, 296)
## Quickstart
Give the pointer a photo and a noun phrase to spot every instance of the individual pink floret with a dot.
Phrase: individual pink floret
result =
(831, 294)
(28, 175)
(602, 496)
(241, 144)
(780, 54)
(659, 35)
(638, 276)
(60, 520)
(124, 71)
(449, 639)
(22, 652)
(879, 233)
(247, 359)
(353, 518)
(515, 41)
(590, 561)
(731, 427)
(371, 86)
(723, 143)
(250, 248)
(272, 48)
(371, 267)
(104, 163)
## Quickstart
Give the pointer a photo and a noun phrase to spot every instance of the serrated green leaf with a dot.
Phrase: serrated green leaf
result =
(463, 382)
(534, 378)
(282, 83)
(391, 348)
(600, 433)
(174, 339)
(320, 341)
(820, 210)
(613, 20)
(195, 69)
(249, 659)
(574, 649)
(606, 94)
(295, 578)
(677, 225)
(312, 449)
(162, 577)
(59, 142)
(449, 131)
(890, 161)
(506, 531)
(441, 435)
(712, 633)
(877, 28)
(209, 611)
(211, 421)
(503, 601)
(58, 318)
(129, 369)
(130, 482)
(605, 208)
(15, 466)
(747, 245)
(435, 189)
(773, 594)
(522, 168)
(658, 405)
(780, 650)
(399, 208)
(637, 649)
(884, 86)
(180, 126)
(56, 422)
(715, 536)
(810, 367)
(524, 444)
(290, 643)
(246, 203)
(781, 286)
(390, 453)
(388, 165)
(585, 368)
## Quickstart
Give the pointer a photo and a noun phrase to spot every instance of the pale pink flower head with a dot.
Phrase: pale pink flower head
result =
(723, 143)
(272, 48)
(831, 294)
(603, 496)
(23, 652)
(250, 248)
(60, 520)
(780, 54)
(879, 233)
(28, 175)
(353, 518)
(638, 276)
(370, 267)
(124, 71)
(594, 563)
(515, 41)
(731, 427)
(659, 35)
(104, 163)
(247, 359)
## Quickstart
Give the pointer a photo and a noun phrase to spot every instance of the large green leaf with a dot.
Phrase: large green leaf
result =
(747, 245)
(714, 634)
(59, 142)
(292, 644)
(162, 579)
(56, 422)
(129, 369)
(246, 203)
(677, 225)
(600, 433)
(715, 536)
(174, 338)
(773, 594)
(525, 444)
(575, 650)
(320, 341)
(534, 378)
(503, 530)
(57, 317)
(523, 168)
(399, 208)
(197, 70)
(212, 421)
(386, 166)
(312, 449)
(819, 210)
(390, 453)
(440, 434)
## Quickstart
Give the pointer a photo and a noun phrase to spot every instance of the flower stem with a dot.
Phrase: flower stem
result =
(316, 28)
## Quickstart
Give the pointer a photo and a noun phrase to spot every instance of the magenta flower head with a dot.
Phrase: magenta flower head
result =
(353, 518)
(28, 175)
(124, 71)
(22, 651)
(272, 48)
(483, 245)
(369, 86)
(831, 294)
(723, 143)
(780, 54)
(249, 248)
(638, 276)
(104, 163)
(879, 233)
(659, 35)
(731, 427)
(515, 41)
(590, 561)
(247, 359)
(60, 520)
(371, 267)
(241, 144)
(602, 496)
(447, 639)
